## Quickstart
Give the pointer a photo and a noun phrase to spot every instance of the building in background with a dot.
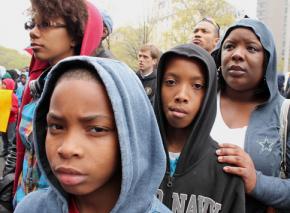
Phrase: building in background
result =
(276, 15)
(162, 19)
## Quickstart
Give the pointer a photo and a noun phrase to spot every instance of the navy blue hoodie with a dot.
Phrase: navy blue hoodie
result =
(199, 183)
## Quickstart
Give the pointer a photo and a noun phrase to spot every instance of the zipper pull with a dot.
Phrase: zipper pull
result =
(170, 181)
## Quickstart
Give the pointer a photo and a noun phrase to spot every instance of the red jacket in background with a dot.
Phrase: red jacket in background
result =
(91, 40)
(10, 85)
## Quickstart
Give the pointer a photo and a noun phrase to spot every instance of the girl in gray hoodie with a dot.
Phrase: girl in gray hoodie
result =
(90, 141)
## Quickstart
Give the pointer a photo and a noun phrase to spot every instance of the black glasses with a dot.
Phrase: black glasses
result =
(29, 25)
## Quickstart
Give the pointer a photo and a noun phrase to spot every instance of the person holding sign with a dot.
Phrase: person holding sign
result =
(8, 134)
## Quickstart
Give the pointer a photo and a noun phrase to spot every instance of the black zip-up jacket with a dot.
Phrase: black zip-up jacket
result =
(149, 84)
(199, 184)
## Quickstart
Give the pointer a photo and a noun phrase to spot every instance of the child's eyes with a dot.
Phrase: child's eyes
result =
(54, 128)
(198, 86)
(170, 82)
(97, 129)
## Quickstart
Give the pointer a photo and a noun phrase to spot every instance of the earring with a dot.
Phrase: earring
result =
(219, 72)
(72, 44)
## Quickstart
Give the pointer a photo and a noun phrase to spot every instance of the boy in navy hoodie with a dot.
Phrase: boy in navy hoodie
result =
(90, 142)
(185, 106)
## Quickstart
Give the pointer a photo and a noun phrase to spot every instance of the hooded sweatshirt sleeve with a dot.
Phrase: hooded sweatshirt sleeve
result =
(262, 140)
(272, 191)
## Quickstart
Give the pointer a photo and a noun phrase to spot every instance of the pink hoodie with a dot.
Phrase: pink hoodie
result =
(91, 40)
(10, 85)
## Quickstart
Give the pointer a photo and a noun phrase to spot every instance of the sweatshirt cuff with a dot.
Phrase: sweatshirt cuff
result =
(258, 190)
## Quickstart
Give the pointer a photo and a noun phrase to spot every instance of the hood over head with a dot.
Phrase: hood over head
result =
(202, 124)
(92, 37)
(10, 84)
(142, 153)
(6, 75)
(266, 38)
(107, 20)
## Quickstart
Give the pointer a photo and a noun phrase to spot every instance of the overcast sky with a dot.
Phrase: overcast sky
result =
(12, 16)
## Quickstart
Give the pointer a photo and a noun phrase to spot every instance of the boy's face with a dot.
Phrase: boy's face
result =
(145, 61)
(81, 142)
(23, 80)
(182, 91)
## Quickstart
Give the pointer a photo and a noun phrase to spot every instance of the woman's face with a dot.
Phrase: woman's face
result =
(242, 60)
(51, 41)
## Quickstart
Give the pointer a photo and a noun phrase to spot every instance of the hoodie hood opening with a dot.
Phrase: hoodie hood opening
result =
(198, 139)
(142, 155)
(267, 87)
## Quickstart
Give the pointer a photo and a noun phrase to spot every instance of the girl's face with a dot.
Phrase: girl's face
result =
(50, 41)
(81, 142)
(242, 60)
(3, 85)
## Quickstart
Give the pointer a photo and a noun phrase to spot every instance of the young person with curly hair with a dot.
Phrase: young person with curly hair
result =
(57, 29)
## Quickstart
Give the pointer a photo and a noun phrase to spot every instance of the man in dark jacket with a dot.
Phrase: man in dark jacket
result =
(148, 58)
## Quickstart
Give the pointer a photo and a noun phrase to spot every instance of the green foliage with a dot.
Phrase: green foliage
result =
(12, 59)
(280, 65)
(125, 42)
(188, 12)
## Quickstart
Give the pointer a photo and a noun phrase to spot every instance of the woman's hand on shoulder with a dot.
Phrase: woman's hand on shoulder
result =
(242, 164)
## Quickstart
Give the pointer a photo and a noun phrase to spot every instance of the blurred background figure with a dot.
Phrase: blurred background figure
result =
(103, 50)
(287, 87)
(20, 86)
(148, 58)
(14, 75)
(281, 80)
(9, 136)
(2, 71)
(206, 34)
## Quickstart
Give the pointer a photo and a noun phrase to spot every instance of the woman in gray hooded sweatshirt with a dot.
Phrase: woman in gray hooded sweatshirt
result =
(247, 120)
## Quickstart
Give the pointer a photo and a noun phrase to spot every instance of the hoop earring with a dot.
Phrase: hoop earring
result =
(219, 72)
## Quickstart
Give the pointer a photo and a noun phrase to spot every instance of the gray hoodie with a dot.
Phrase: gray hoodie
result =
(142, 154)
(262, 140)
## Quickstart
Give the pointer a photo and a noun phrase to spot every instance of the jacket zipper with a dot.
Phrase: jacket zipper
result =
(169, 186)
(169, 183)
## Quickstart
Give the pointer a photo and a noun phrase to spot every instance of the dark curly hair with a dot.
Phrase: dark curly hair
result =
(74, 13)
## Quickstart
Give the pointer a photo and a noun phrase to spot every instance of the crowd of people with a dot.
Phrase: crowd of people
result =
(195, 129)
